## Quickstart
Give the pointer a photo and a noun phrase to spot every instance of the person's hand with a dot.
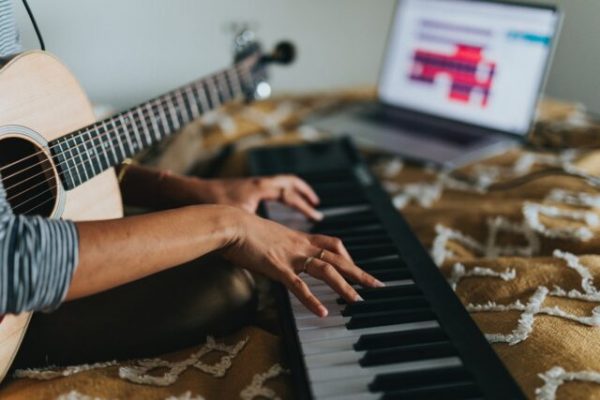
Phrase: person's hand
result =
(247, 193)
(283, 254)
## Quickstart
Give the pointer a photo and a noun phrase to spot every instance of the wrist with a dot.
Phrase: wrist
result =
(231, 223)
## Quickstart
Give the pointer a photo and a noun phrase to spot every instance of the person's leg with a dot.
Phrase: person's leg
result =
(158, 314)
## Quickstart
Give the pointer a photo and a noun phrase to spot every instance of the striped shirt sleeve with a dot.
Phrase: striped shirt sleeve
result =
(38, 257)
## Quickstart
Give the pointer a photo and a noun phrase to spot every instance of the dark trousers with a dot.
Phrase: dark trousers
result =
(161, 313)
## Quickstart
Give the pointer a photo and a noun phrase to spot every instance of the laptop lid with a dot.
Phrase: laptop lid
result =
(478, 62)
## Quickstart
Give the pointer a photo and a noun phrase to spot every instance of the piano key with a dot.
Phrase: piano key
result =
(405, 303)
(325, 374)
(349, 231)
(366, 239)
(450, 390)
(390, 318)
(371, 250)
(388, 292)
(320, 323)
(328, 345)
(342, 331)
(343, 387)
(333, 359)
(389, 261)
(405, 380)
(354, 396)
(386, 275)
(408, 353)
(391, 339)
(321, 287)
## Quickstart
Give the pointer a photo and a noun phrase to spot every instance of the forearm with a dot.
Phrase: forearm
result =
(114, 252)
(153, 188)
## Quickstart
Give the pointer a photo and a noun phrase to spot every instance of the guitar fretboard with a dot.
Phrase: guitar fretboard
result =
(83, 154)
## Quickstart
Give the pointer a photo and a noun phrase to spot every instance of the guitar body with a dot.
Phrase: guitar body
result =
(40, 96)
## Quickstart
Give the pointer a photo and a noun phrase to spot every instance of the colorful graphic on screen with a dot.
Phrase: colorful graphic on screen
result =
(477, 62)
(469, 72)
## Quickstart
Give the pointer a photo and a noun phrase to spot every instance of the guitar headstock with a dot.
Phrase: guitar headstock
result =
(251, 61)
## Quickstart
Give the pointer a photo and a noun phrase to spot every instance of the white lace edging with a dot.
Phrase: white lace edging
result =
(532, 213)
(140, 373)
(55, 372)
(459, 273)
(556, 376)
(257, 387)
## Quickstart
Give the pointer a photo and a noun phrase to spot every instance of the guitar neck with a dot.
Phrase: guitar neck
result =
(83, 154)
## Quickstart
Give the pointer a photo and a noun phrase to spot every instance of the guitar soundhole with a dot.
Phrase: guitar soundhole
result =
(28, 177)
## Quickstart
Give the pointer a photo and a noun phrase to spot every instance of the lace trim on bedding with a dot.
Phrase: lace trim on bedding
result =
(258, 389)
(139, 373)
(557, 376)
(535, 307)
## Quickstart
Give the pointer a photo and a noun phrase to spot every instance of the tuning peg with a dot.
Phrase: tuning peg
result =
(284, 53)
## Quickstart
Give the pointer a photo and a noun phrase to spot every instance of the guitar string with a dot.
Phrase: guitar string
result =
(114, 142)
(155, 105)
(241, 74)
(83, 161)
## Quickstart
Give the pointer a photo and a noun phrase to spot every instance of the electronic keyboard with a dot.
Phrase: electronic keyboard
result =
(411, 339)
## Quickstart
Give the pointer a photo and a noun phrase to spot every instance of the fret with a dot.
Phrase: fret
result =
(130, 150)
(137, 143)
(153, 121)
(235, 81)
(195, 111)
(107, 142)
(116, 133)
(73, 161)
(144, 127)
(212, 93)
(183, 106)
(202, 97)
(79, 148)
(92, 151)
(164, 121)
(224, 87)
(100, 146)
(173, 112)
(64, 165)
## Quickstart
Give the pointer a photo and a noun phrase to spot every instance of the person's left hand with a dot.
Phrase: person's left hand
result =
(247, 193)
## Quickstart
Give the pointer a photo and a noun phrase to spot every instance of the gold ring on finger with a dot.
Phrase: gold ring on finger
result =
(306, 263)
(321, 254)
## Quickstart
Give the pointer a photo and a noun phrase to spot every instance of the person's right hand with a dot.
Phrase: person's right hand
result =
(280, 253)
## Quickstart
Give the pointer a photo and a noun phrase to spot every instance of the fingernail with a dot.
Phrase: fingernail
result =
(358, 298)
(318, 215)
(378, 283)
(323, 312)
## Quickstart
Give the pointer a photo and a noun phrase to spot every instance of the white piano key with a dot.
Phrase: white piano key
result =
(341, 331)
(328, 345)
(345, 387)
(323, 288)
(320, 323)
(333, 359)
(333, 308)
(353, 396)
(337, 211)
(327, 373)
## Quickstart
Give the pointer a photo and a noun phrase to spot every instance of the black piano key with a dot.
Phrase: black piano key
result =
(374, 238)
(348, 200)
(387, 275)
(412, 379)
(413, 352)
(375, 264)
(352, 231)
(341, 221)
(324, 176)
(384, 318)
(449, 391)
(406, 303)
(372, 250)
(387, 292)
(392, 339)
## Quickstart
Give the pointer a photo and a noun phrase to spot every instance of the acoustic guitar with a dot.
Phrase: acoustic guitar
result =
(57, 161)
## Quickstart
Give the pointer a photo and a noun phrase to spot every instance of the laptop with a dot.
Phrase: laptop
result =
(460, 80)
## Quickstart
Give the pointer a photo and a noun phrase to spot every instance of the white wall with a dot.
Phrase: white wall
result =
(125, 51)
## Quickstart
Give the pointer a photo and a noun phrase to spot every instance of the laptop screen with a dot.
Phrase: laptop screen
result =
(477, 62)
